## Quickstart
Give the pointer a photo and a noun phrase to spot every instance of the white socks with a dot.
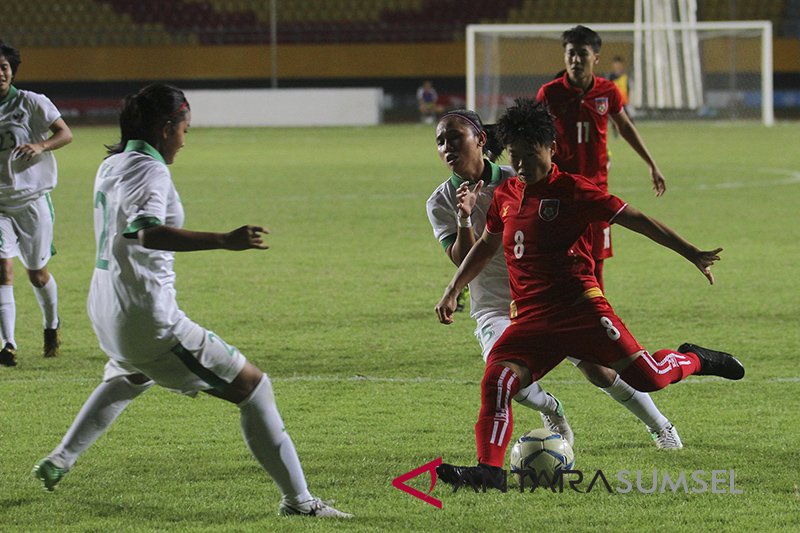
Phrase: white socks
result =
(8, 314)
(536, 398)
(269, 443)
(638, 403)
(99, 411)
(48, 301)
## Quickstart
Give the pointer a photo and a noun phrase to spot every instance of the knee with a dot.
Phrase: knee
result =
(244, 384)
(6, 272)
(137, 379)
(39, 278)
(599, 376)
(496, 373)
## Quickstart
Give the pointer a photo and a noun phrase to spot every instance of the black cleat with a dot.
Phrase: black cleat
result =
(52, 342)
(477, 477)
(8, 355)
(714, 363)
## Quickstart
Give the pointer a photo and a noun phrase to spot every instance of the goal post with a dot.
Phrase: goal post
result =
(686, 70)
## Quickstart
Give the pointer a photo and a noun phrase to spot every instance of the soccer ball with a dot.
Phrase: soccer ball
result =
(546, 453)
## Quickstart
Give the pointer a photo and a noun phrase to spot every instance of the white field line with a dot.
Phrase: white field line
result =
(401, 380)
(789, 177)
(792, 178)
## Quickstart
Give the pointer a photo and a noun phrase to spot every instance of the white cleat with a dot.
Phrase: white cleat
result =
(557, 422)
(312, 507)
(666, 438)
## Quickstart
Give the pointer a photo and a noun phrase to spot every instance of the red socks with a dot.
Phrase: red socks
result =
(495, 423)
(653, 372)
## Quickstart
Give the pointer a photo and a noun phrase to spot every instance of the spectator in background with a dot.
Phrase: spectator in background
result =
(619, 75)
(428, 102)
(30, 129)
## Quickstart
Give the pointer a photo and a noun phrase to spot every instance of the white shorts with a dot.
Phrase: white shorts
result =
(489, 330)
(27, 232)
(200, 361)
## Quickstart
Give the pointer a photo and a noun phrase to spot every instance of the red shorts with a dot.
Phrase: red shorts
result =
(589, 331)
(598, 235)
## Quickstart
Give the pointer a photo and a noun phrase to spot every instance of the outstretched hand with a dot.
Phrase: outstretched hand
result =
(466, 198)
(245, 238)
(704, 260)
(659, 183)
(446, 307)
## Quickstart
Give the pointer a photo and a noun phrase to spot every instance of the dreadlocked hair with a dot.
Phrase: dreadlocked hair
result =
(527, 121)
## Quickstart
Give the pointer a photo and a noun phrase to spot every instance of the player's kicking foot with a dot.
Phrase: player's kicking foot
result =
(557, 422)
(312, 507)
(714, 363)
(8, 355)
(48, 473)
(666, 438)
(52, 342)
(478, 477)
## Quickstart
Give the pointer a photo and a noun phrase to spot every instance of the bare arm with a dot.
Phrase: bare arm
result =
(637, 221)
(182, 240)
(61, 136)
(473, 264)
(631, 135)
(465, 238)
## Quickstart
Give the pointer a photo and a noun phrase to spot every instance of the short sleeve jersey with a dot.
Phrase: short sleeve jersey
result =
(132, 300)
(541, 223)
(489, 292)
(25, 117)
(582, 125)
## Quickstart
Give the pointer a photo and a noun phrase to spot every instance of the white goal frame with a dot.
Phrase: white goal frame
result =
(764, 26)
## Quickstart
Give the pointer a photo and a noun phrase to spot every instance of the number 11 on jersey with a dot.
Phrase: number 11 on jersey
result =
(583, 132)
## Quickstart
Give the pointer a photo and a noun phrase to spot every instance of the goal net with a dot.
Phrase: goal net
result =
(675, 70)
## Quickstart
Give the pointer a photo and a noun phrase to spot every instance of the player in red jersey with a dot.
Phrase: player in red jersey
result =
(582, 104)
(558, 308)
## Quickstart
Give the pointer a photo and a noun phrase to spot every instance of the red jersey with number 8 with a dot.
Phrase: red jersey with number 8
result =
(541, 223)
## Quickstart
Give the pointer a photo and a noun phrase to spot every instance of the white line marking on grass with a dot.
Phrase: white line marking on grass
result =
(408, 380)
(792, 177)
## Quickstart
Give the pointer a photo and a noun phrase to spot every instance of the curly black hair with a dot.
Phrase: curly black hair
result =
(527, 121)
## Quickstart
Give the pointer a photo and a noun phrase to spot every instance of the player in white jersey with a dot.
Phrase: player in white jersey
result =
(457, 212)
(458, 217)
(31, 127)
(132, 304)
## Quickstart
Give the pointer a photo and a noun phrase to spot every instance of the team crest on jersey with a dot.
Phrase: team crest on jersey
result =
(601, 104)
(548, 210)
(504, 214)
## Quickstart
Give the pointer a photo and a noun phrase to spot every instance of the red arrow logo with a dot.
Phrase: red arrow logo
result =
(399, 482)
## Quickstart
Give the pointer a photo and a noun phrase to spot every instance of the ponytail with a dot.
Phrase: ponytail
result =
(146, 112)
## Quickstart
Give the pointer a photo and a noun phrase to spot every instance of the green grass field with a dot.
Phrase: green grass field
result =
(339, 312)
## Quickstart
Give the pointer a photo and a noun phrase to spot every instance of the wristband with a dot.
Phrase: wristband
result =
(464, 222)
